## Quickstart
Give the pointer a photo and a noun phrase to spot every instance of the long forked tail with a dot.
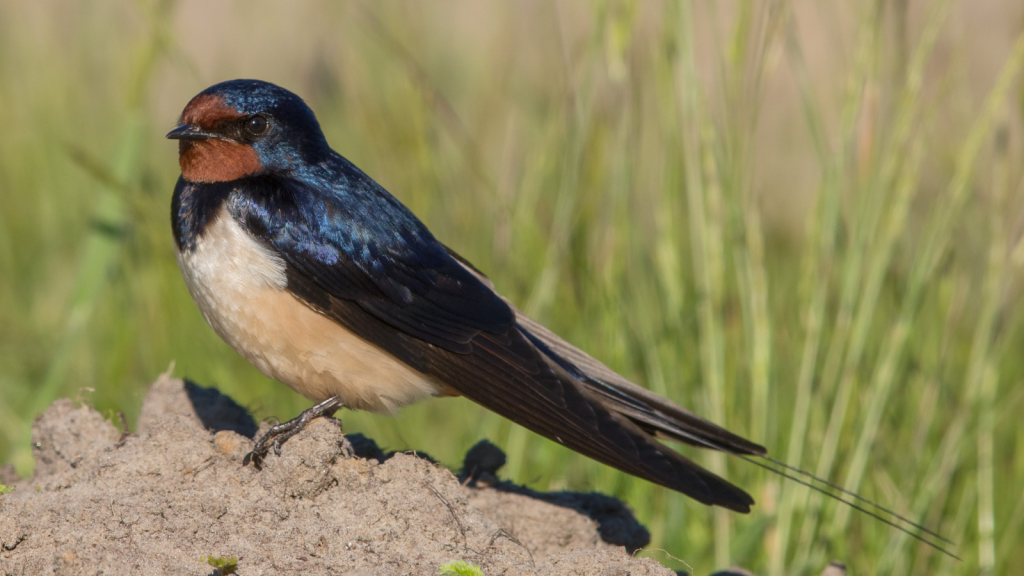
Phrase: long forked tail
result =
(667, 420)
(864, 510)
(759, 457)
(870, 508)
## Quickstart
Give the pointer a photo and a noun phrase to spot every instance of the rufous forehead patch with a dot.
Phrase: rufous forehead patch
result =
(208, 110)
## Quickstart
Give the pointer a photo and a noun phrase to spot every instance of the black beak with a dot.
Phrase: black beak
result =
(189, 132)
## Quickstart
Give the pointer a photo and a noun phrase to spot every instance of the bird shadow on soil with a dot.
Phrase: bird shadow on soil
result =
(219, 412)
(615, 521)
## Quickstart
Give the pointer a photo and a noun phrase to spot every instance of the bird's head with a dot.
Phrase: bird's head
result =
(243, 128)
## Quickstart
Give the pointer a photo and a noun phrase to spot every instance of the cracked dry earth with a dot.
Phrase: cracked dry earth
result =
(157, 501)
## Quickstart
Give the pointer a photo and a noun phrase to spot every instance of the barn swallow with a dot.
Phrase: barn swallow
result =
(327, 283)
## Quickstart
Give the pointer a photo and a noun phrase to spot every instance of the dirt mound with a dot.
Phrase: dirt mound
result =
(158, 501)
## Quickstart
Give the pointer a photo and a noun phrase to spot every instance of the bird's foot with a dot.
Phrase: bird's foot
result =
(279, 434)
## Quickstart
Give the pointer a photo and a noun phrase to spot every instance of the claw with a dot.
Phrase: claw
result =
(279, 434)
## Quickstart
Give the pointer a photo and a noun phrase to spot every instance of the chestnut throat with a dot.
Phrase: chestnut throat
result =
(216, 160)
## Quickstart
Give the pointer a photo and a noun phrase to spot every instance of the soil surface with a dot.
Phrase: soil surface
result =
(159, 500)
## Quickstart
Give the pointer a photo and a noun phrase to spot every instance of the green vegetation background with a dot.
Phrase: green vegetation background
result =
(801, 219)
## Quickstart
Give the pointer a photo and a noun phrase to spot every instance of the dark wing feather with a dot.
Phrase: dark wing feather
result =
(370, 250)
(507, 374)
(653, 413)
(403, 292)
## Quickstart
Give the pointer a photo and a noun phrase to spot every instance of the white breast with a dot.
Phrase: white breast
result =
(240, 287)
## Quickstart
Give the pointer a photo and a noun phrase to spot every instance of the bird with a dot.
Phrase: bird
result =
(324, 281)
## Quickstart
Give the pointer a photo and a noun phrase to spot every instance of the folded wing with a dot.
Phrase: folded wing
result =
(397, 287)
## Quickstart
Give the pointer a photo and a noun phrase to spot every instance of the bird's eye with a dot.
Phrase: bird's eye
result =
(257, 125)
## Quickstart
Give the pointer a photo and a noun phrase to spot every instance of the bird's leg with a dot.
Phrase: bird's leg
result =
(279, 434)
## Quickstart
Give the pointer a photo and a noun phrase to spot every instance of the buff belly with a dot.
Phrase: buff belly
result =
(240, 287)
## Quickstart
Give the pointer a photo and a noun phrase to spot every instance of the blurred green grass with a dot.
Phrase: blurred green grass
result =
(802, 220)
